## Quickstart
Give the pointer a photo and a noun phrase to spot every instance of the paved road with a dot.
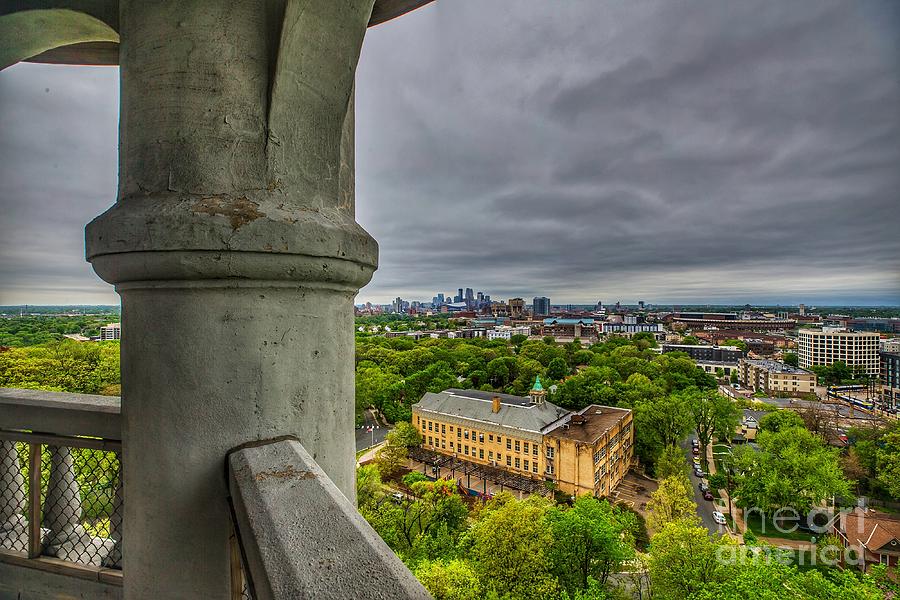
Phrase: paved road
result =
(371, 432)
(705, 508)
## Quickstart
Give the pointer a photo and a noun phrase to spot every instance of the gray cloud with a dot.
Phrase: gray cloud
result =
(667, 151)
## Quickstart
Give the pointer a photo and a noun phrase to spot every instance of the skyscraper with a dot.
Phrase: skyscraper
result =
(541, 306)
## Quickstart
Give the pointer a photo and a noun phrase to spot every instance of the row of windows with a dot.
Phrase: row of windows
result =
(461, 434)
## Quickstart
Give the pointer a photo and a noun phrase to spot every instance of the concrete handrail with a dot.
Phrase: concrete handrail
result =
(301, 537)
(61, 413)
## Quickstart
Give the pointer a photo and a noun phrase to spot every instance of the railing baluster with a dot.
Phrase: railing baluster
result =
(62, 508)
(13, 524)
(35, 538)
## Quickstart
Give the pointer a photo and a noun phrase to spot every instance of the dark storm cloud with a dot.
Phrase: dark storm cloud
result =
(57, 172)
(667, 151)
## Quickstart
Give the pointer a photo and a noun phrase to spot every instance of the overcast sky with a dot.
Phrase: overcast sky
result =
(666, 151)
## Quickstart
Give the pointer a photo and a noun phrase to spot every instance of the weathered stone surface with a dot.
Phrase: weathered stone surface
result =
(61, 413)
(302, 537)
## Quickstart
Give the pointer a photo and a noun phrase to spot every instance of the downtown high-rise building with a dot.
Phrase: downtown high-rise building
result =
(540, 306)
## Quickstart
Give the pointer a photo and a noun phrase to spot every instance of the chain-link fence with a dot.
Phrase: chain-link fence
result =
(61, 497)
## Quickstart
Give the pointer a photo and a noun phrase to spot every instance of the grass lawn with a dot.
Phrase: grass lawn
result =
(755, 524)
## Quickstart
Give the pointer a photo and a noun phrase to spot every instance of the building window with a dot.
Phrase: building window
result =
(458, 433)
(466, 434)
(550, 451)
(444, 444)
(596, 477)
(466, 451)
(525, 447)
(508, 444)
(490, 455)
(526, 465)
(534, 467)
(481, 437)
(491, 437)
(518, 446)
(451, 445)
(499, 440)
(596, 457)
(481, 454)
(549, 469)
(429, 425)
(508, 460)
(534, 449)
(451, 429)
(518, 463)
(499, 457)
(430, 443)
(443, 429)
(418, 420)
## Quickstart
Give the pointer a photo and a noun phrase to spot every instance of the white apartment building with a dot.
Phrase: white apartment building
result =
(505, 332)
(113, 331)
(822, 347)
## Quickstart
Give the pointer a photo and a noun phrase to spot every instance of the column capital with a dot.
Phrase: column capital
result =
(251, 236)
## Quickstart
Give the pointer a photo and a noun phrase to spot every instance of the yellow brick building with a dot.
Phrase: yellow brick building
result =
(585, 452)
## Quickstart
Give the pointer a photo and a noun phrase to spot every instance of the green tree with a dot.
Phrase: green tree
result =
(713, 415)
(791, 358)
(590, 539)
(557, 369)
(368, 484)
(391, 458)
(405, 433)
(671, 463)
(509, 548)
(777, 420)
(742, 345)
(684, 559)
(450, 580)
(888, 462)
(793, 468)
(671, 501)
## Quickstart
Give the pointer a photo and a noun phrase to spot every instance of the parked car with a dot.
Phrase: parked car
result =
(699, 473)
(707, 495)
(718, 517)
(695, 442)
(696, 450)
(704, 487)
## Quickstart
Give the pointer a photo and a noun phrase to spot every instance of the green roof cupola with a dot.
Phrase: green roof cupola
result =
(537, 392)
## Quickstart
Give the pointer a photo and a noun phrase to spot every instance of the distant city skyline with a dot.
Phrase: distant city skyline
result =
(676, 153)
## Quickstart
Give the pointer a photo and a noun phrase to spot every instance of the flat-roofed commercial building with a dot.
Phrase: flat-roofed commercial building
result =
(824, 347)
(773, 377)
(113, 331)
(583, 453)
(703, 353)
(890, 379)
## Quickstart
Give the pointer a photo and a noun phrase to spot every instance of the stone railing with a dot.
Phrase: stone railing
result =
(61, 498)
(300, 537)
(61, 507)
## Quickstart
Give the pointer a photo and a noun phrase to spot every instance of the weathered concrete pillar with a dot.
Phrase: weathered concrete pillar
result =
(234, 247)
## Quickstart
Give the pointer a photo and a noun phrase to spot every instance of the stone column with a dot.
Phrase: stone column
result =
(235, 250)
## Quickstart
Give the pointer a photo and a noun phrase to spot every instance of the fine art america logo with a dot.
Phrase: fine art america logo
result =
(829, 543)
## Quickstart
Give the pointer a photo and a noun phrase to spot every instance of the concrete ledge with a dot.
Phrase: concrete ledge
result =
(61, 413)
(301, 537)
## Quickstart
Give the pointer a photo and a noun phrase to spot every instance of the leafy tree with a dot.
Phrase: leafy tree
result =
(509, 548)
(684, 559)
(557, 369)
(671, 463)
(368, 484)
(663, 422)
(888, 462)
(791, 358)
(793, 468)
(450, 580)
(406, 434)
(713, 415)
(672, 501)
(590, 540)
(690, 340)
(391, 457)
(778, 420)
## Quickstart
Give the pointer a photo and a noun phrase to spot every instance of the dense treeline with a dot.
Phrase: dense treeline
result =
(394, 373)
(31, 331)
(63, 366)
